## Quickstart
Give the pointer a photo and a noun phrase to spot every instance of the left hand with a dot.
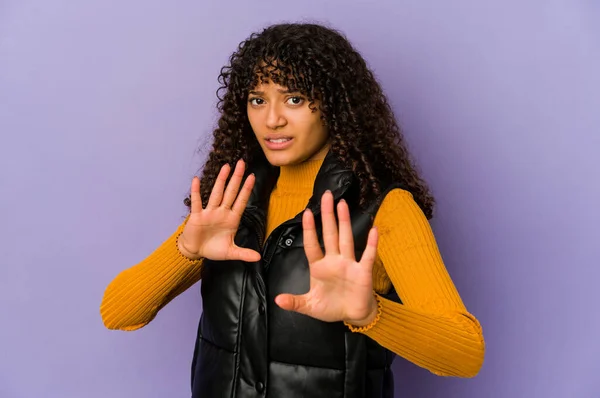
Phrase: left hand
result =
(341, 289)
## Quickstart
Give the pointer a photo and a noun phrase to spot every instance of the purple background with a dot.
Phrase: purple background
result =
(102, 107)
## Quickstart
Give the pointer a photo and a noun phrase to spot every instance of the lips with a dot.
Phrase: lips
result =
(277, 137)
(277, 142)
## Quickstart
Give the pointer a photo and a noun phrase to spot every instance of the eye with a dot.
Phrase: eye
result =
(256, 101)
(295, 100)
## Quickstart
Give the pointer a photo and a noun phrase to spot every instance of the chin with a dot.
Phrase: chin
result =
(282, 159)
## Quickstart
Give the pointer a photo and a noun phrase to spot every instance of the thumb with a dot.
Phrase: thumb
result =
(291, 302)
(247, 255)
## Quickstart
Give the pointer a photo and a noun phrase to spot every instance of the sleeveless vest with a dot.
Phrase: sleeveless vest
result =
(247, 346)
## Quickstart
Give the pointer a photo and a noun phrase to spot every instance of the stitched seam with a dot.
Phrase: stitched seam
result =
(218, 347)
(308, 366)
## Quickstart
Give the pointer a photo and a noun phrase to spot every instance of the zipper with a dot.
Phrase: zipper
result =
(254, 224)
(268, 254)
(256, 228)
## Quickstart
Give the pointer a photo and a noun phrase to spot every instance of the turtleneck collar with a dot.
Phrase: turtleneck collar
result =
(298, 179)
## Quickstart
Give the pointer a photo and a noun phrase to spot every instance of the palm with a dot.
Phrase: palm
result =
(214, 232)
(210, 232)
(341, 288)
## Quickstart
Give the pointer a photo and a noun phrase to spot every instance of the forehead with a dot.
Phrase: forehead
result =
(270, 87)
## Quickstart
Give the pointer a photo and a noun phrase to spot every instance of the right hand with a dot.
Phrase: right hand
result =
(209, 233)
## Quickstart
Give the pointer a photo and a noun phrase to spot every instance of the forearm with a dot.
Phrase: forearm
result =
(432, 326)
(136, 295)
(446, 343)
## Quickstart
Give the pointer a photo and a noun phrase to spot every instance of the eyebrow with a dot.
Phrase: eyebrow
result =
(281, 91)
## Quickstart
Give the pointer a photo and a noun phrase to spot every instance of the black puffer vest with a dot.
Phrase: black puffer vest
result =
(249, 347)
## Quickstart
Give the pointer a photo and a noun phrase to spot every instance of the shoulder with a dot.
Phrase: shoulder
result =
(399, 213)
(398, 200)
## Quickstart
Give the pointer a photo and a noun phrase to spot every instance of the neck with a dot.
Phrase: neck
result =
(298, 178)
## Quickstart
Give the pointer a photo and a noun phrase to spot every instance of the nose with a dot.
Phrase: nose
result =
(275, 117)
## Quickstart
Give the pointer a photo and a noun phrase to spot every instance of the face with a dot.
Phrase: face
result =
(288, 131)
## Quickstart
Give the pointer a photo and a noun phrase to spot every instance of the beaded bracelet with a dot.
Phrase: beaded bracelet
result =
(370, 325)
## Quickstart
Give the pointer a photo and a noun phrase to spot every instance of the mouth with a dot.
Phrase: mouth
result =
(278, 142)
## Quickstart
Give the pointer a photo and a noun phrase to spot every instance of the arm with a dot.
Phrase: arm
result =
(136, 295)
(431, 328)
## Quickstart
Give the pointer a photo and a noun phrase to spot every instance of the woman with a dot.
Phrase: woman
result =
(317, 260)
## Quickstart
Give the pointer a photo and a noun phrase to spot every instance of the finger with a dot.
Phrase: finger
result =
(312, 248)
(291, 302)
(370, 253)
(244, 196)
(247, 255)
(195, 196)
(345, 232)
(234, 184)
(330, 229)
(216, 195)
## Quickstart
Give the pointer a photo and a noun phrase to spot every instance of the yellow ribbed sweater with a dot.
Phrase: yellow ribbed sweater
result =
(431, 328)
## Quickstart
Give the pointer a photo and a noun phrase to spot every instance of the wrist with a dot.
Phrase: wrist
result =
(371, 318)
(183, 251)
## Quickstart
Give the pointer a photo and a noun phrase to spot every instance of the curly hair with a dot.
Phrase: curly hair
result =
(320, 63)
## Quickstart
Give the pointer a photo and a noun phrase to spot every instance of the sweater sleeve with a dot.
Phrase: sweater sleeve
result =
(431, 328)
(136, 295)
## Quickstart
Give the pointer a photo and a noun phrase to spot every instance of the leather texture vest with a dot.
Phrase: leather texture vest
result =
(247, 346)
